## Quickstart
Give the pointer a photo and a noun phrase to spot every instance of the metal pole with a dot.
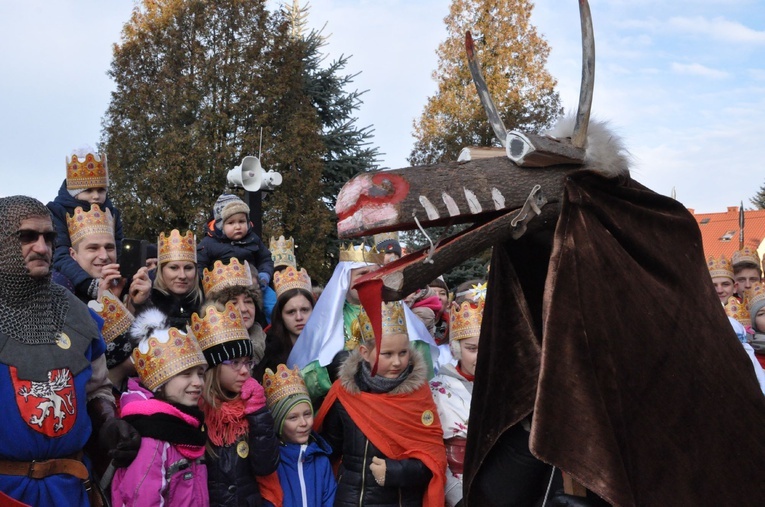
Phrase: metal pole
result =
(254, 201)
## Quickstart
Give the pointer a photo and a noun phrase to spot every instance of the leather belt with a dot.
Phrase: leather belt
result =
(71, 465)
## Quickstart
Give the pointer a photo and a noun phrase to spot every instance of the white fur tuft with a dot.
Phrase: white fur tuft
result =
(605, 150)
(146, 323)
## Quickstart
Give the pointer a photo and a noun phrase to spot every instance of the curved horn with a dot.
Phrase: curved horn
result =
(483, 91)
(579, 137)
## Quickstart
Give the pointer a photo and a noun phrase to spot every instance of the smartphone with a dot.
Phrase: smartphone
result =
(132, 257)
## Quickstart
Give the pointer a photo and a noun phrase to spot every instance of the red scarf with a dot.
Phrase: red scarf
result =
(226, 423)
(401, 426)
(468, 377)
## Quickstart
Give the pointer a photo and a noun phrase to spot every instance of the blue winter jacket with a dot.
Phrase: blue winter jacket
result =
(305, 474)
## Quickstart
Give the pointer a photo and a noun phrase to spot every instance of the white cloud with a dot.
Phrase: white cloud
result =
(696, 69)
(718, 28)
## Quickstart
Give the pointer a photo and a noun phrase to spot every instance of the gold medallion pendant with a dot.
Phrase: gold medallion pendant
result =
(63, 341)
(242, 449)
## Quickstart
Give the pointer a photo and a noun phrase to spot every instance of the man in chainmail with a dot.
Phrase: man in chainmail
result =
(52, 371)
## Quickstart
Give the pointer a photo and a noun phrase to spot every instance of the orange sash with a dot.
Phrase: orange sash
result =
(401, 426)
(271, 489)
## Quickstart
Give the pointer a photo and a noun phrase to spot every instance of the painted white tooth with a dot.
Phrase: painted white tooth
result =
(429, 208)
(498, 198)
(472, 200)
(451, 206)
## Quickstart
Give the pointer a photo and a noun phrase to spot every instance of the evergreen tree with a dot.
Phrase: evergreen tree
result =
(195, 83)
(347, 148)
(512, 57)
(190, 78)
(759, 198)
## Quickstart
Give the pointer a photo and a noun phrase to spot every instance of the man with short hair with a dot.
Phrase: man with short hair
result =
(53, 382)
(94, 249)
(746, 269)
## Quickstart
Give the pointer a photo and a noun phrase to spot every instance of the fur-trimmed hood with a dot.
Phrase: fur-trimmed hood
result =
(415, 379)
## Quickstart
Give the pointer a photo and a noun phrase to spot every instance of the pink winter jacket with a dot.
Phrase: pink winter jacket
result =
(162, 474)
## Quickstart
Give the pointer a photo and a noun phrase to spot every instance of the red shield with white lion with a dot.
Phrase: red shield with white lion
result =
(48, 407)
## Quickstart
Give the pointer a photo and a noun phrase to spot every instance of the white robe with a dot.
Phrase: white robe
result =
(452, 393)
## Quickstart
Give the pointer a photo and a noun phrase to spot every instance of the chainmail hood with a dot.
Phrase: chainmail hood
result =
(32, 310)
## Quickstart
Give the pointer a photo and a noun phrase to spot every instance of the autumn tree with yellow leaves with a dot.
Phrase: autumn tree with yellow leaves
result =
(513, 57)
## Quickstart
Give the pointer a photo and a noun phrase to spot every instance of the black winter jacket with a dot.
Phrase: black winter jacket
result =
(230, 477)
(65, 204)
(177, 309)
(215, 246)
(406, 480)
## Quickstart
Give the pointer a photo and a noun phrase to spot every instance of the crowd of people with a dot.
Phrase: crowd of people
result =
(216, 373)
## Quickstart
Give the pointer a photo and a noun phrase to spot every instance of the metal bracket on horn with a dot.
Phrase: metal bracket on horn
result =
(531, 208)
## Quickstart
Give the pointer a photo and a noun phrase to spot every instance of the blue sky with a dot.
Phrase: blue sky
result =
(683, 82)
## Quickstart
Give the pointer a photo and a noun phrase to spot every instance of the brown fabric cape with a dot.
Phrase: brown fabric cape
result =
(640, 389)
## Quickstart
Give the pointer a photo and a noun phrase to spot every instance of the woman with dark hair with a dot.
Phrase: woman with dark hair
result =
(294, 304)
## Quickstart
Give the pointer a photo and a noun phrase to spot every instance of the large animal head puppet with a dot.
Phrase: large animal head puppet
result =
(600, 316)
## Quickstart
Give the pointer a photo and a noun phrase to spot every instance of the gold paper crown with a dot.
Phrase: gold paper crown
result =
(719, 267)
(85, 223)
(117, 318)
(291, 278)
(393, 321)
(351, 253)
(283, 383)
(746, 254)
(738, 311)
(159, 358)
(223, 276)
(89, 173)
(176, 247)
(283, 252)
(755, 294)
(215, 327)
(465, 320)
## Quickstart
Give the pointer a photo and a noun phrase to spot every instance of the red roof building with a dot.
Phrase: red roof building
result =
(720, 231)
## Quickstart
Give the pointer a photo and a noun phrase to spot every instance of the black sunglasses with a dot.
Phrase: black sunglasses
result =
(28, 236)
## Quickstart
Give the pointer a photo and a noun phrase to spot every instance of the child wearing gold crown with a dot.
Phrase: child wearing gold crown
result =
(86, 182)
(163, 408)
(241, 443)
(452, 388)
(380, 417)
(304, 477)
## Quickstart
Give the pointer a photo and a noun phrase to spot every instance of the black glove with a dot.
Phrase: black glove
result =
(121, 440)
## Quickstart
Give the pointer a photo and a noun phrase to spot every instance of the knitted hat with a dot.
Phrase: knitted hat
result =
(221, 335)
(387, 242)
(756, 300)
(284, 389)
(226, 206)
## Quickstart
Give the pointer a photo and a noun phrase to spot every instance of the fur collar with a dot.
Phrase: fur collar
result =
(416, 378)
